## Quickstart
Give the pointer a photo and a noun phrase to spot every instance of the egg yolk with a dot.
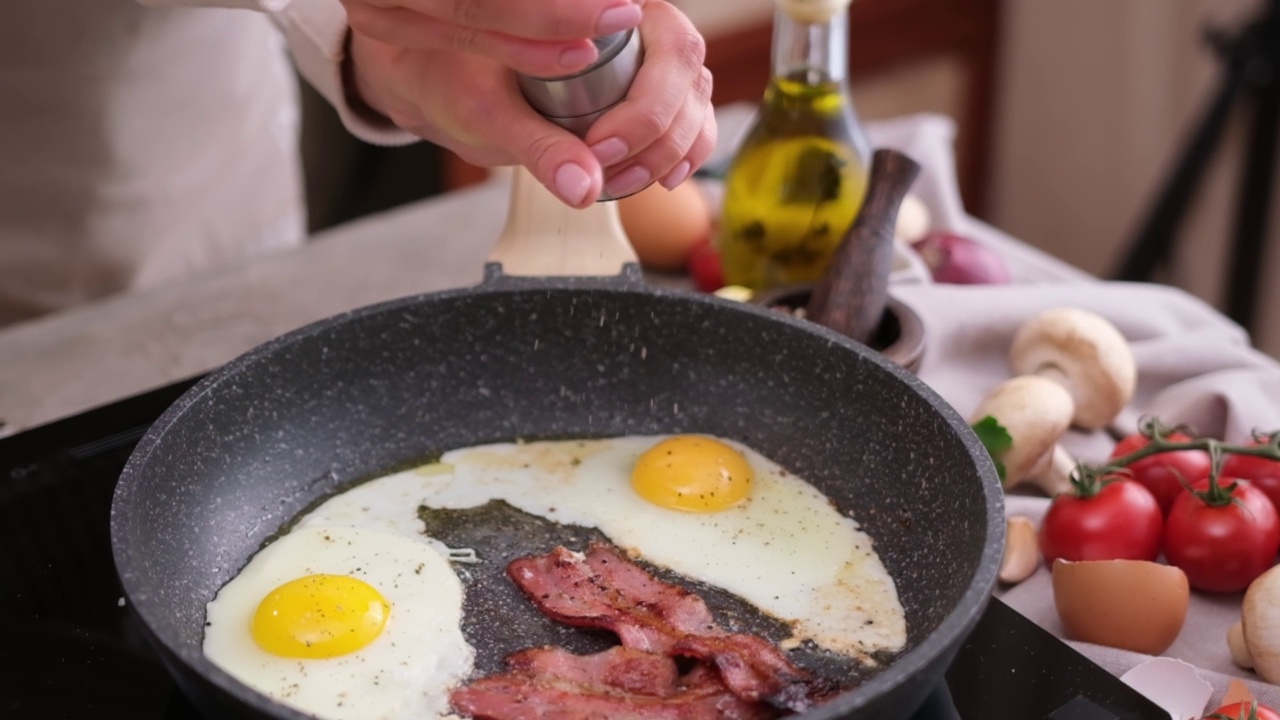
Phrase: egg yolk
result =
(694, 474)
(319, 616)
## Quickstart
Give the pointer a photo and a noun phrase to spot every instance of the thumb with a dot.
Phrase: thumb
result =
(556, 157)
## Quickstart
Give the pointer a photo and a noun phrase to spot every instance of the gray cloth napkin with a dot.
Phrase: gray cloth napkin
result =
(1194, 365)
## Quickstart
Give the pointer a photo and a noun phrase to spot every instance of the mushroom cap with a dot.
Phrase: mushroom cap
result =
(1036, 412)
(1260, 621)
(1086, 354)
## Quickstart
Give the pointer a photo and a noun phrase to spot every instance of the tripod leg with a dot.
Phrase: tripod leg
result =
(1155, 240)
(1256, 187)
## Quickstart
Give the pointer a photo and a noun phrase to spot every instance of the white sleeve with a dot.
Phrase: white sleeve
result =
(316, 31)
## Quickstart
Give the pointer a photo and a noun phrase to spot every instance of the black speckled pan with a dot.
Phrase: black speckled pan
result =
(388, 386)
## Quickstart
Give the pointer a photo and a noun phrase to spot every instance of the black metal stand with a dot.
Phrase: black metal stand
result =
(1251, 71)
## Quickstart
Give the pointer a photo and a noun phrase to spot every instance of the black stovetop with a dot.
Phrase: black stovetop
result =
(70, 649)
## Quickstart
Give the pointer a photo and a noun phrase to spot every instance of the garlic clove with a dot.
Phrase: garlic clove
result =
(1255, 640)
(1239, 649)
(1021, 550)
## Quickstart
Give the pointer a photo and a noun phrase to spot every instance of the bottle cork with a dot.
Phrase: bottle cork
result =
(813, 11)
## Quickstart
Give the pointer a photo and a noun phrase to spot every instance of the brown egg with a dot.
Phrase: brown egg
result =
(1128, 604)
(665, 225)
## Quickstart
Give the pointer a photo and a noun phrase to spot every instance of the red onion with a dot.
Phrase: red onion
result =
(956, 259)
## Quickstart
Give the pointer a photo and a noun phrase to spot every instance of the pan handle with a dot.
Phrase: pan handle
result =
(545, 237)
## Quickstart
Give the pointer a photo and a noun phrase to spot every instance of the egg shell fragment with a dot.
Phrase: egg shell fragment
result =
(1127, 604)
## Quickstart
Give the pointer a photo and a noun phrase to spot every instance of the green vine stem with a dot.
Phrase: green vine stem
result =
(1088, 484)
(1267, 445)
(1252, 710)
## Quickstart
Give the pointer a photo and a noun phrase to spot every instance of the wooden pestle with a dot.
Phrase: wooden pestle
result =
(853, 292)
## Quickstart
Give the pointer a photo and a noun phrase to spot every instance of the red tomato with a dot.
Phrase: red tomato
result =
(1164, 473)
(1262, 473)
(1120, 522)
(1244, 711)
(1222, 544)
(705, 267)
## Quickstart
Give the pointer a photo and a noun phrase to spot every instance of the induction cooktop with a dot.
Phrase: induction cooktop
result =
(70, 648)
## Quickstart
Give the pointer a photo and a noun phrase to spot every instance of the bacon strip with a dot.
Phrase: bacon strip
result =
(619, 684)
(622, 668)
(755, 669)
(603, 589)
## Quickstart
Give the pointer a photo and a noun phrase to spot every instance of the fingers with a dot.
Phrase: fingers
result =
(472, 106)
(560, 161)
(662, 158)
(698, 153)
(664, 116)
(408, 29)
(555, 156)
(541, 20)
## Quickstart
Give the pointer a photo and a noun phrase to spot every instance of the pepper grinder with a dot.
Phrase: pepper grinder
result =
(542, 235)
(575, 102)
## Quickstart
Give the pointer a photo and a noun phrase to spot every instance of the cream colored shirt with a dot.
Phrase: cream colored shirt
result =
(140, 144)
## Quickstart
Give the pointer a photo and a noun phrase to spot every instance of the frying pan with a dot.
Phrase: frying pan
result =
(529, 353)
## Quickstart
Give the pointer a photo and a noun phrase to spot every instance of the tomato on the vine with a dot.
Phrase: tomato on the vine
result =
(1108, 519)
(1223, 535)
(1262, 473)
(1249, 710)
(1164, 474)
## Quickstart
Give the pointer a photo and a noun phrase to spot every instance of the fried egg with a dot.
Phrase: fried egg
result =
(342, 622)
(709, 509)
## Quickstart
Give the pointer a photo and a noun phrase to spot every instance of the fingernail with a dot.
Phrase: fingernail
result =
(577, 57)
(617, 19)
(631, 180)
(609, 151)
(572, 183)
(677, 175)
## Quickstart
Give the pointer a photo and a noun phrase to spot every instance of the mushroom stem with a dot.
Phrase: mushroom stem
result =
(1036, 413)
(1049, 371)
(1239, 648)
(1053, 473)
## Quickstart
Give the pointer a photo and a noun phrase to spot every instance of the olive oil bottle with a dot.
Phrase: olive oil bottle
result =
(797, 182)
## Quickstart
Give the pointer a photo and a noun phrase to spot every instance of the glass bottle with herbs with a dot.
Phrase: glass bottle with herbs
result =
(798, 179)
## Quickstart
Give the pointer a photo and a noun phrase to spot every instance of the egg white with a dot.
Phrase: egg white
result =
(406, 672)
(787, 550)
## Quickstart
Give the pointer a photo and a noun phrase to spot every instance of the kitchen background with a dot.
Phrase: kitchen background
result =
(1070, 116)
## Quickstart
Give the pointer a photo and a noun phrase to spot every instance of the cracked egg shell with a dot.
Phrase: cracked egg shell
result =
(1133, 605)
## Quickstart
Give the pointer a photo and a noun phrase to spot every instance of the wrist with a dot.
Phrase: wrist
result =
(361, 93)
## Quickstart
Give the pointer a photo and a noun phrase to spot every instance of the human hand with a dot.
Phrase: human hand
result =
(469, 103)
(542, 38)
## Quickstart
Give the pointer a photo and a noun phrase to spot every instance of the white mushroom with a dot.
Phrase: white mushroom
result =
(1255, 640)
(1036, 412)
(913, 220)
(1085, 354)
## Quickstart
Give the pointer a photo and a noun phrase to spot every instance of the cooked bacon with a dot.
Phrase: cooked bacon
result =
(619, 684)
(755, 669)
(603, 589)
(633, 671)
